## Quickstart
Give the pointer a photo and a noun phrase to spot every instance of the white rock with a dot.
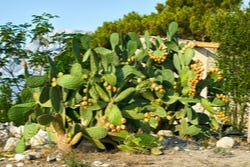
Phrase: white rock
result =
(20, 164)
(16, 131)
(21, 157)
(10, 165)
(96, 163)
(40, 138)
(225, 142)
(11, 144)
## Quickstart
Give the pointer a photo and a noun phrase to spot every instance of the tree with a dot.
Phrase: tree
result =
(232, 31)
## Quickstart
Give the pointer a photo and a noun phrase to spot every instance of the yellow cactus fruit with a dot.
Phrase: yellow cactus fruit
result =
(123, 120)
(146, 120)
(118, 128)
(60, 74)
(139, 80)
(168, 117)
(161, 138)
(112, 126)
(85, 90)
(84, 103)
(109, 87)
(152, 80)
(154, 85)
(107, 125)
(114, 89)
(104, 117)
(53, 79)
(105, 84)
(53, 84)
(84, 98)
(123, 127)
(146, 115)
(85, 76)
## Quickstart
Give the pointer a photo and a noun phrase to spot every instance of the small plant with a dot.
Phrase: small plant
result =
(72, 161)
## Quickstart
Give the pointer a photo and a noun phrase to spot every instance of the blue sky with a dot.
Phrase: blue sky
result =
(84, 15)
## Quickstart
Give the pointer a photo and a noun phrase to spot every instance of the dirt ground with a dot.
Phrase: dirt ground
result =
(188, 156)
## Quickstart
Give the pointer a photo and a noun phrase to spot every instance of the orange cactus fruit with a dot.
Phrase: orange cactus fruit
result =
(23, 63)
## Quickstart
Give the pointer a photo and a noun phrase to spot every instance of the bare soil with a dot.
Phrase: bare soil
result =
(238, 156)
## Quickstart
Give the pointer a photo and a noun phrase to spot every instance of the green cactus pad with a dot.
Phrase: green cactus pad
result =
(36, 81)
(96, 132)
(70, 82)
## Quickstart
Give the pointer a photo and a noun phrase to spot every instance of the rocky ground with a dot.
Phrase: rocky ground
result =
(226, 152)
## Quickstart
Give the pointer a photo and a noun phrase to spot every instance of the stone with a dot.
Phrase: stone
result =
(4, 135)
(10, 165)
(225, 142)
(40, 138)
(55, 156)
(21, 157)
(99, 164)
(16, 131)
(11, 144)
(20, 164)
(165, 133)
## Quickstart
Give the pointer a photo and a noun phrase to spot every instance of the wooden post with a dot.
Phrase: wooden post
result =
(248, 127)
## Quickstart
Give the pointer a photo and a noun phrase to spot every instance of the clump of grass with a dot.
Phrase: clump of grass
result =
(71, 160)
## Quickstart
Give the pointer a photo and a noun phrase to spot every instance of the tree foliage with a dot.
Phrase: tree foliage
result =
(233, 58)
(191, 15)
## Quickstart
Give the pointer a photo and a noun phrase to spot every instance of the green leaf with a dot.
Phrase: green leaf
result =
(20, 146)
(168, 75)
(96, 132)
(86, 116)
(44, 96)
(207, 105)
(111, 79)
(153, 122)
(45, 119)
(85, 41)
(53, 69)
(86, 55)
(19, 113)
(55, 96)
(188, 56)
(172, 28)
(76, 70)
(27, 95)
(131, 47)
(30, 130)
(114, 40)
(177, 63)
(172, 46)
(36, 81)
(124, 94)
(147, 39)
(193, 130)
(99, 144)
(102, 93)
(76, 49)
(103, 51)
(133, 114)
(70, 82)
(115, 115)
(93, 63)
(192, 116)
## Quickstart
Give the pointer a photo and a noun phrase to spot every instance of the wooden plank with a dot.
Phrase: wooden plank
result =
(206, 44)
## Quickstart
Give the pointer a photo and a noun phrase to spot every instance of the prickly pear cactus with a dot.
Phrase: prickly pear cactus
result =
(123, 94)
